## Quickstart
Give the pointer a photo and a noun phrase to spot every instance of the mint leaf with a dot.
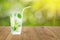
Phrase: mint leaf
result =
(19, 16)
(14, 28)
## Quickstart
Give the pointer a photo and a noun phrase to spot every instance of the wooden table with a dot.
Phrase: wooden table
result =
(31, 33)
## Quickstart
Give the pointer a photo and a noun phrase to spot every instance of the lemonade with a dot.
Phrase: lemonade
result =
(16, 23)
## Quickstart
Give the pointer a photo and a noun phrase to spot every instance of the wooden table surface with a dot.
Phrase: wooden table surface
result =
(31, 33)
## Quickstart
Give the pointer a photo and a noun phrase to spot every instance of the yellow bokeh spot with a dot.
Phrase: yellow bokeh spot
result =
(36, 4)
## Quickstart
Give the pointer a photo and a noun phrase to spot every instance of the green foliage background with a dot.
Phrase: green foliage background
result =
(31, 17)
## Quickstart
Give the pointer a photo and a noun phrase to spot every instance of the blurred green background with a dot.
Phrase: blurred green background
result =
(41, 13)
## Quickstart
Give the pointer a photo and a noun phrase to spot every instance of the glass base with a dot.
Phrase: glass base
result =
(16, 33)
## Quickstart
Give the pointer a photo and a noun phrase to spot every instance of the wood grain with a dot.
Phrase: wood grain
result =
(31, 33)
